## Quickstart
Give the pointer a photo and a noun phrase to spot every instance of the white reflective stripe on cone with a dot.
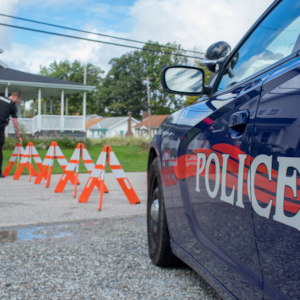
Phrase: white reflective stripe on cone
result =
(119, 173)
(113, 161)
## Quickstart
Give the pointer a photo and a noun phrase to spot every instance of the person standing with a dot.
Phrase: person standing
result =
(8, 108)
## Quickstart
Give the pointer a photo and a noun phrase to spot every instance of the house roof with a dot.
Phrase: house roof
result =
(156, 121)
(28, 84)
(15, 75)
(92, 122)
(93, 116)
(110, 122)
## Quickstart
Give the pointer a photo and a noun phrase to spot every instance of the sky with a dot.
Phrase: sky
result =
(195, 24)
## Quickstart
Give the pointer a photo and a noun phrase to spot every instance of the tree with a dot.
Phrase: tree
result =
(74, 72)
(154, 62)
(124, 87)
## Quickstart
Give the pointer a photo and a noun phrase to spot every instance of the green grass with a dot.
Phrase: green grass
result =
(131, 158)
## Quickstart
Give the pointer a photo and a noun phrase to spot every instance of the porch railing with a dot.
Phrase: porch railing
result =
(48, 122)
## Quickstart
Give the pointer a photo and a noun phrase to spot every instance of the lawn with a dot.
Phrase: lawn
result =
(132, 159)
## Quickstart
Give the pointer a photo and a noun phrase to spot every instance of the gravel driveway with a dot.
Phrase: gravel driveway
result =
(105, 259)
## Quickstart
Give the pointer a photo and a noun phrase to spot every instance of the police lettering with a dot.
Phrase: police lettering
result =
(283, 181)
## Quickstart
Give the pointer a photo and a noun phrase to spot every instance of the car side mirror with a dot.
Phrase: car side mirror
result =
(215, 56)
(183, 80)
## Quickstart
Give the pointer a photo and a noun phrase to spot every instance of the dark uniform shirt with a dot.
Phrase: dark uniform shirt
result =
(7, 108)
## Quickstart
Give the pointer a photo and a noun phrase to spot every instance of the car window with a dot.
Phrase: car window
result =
(275, 38)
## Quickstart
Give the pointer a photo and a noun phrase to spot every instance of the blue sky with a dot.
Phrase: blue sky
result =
(158, 20)
(103, 15)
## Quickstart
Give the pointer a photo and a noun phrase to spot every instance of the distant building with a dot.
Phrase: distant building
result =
(142, 128)
(110, 127)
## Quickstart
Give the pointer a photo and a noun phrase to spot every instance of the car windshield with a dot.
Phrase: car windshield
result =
(275, 38)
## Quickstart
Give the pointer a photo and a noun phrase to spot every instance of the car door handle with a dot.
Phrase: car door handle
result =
(237, 123)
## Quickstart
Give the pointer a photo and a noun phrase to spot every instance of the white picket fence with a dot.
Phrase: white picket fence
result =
(48, 122)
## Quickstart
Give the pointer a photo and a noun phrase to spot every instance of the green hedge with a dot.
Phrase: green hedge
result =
(64, 143)
(70, 143)
(121, 141)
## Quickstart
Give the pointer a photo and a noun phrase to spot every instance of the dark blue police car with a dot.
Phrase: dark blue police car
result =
(224, 173)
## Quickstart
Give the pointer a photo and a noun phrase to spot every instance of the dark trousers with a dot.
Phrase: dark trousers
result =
(2, 140)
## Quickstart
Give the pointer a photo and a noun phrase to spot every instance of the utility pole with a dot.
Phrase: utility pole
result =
(149, 106)
(84, 99)
(84, 74)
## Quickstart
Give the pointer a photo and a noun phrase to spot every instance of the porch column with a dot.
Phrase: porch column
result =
(62, 104)
(24, 108)
(6, 91)
(39, 110)
(34, 107)
(6, 95)
(51, 106)
(67, 108)
(84, 110)
(45, 106)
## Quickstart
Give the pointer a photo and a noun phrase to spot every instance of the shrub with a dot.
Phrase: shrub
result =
(64, 143)
(120, 141)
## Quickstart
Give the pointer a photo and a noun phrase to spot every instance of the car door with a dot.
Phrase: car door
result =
(212, 209)
(212, 198)
(275, 182)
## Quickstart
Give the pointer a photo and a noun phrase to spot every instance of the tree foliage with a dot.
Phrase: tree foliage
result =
(124, 87)
(74, 72)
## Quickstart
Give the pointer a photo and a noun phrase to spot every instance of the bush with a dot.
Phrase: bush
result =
(120, 141)
(64, 143)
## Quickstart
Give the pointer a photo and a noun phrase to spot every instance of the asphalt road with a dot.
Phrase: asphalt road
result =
(25, 203)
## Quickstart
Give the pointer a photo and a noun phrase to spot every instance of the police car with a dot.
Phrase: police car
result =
(224, 173)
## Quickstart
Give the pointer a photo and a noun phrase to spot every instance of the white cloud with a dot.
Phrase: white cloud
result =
(195, 22)
(190, 23)
(7, 8)
(28, 58)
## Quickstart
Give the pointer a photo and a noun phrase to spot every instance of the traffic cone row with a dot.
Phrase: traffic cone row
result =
(26, 157)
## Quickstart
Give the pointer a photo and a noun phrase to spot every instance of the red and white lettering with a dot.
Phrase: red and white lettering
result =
(267, 161)
(200, 156)
(212, 193)
(229, 199)
(282, 181)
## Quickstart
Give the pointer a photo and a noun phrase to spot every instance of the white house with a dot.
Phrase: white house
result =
(33, 87)
(110, 127)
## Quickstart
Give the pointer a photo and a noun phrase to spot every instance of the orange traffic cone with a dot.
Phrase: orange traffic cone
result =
(98, 174)
(121, 177)
(89, 164)
(54, 152)
(16, 155)
(80, 152)
(93, 180)
(26, 160)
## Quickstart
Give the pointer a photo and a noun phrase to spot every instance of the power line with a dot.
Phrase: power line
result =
(97, 41)
(100, 34)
